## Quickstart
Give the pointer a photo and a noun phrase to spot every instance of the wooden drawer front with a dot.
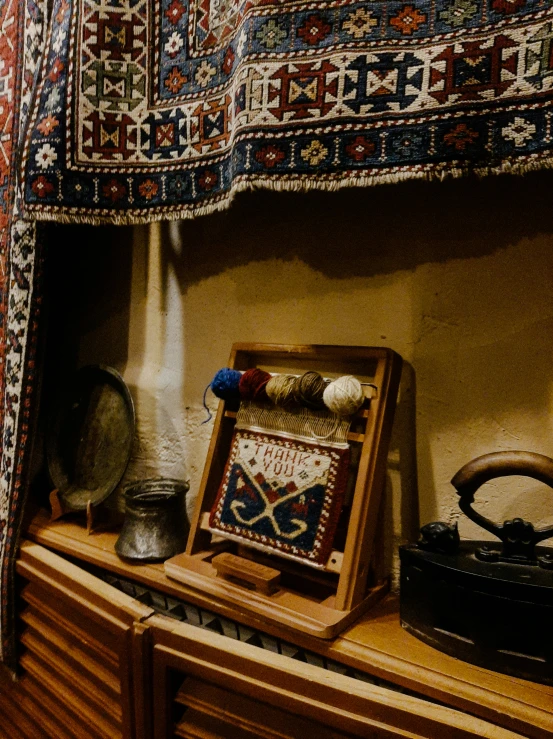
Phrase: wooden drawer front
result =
(82, 658)
(76, 668)
(203, 709)
(210, 687)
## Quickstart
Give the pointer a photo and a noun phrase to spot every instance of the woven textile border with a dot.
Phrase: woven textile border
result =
(21, 28)
(167, 109)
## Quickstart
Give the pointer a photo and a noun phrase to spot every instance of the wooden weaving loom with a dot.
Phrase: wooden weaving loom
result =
(318, 602)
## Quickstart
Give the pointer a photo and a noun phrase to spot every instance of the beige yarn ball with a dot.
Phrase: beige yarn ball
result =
(280, 389)
(344, 396)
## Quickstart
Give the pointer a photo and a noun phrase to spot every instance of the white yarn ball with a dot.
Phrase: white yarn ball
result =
(344, 396)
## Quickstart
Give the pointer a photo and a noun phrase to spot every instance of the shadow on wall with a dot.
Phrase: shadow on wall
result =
(369, 231)
(88, 294)
(400, 504)
(86, 315)
(403, 456)
(480, 313)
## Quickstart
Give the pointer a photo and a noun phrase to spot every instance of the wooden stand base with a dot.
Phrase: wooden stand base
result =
(241, 587)
(96, 516)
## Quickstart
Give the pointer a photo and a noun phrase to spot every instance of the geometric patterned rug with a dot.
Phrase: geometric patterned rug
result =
(150, 109)
(282, 495)
(21, 36)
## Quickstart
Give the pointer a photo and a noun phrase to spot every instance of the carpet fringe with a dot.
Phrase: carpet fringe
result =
(285, 183)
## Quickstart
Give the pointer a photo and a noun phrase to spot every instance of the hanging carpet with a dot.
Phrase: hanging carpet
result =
(21, 38)
(165, 108)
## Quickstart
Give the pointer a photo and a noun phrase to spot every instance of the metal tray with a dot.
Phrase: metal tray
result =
(90, 437)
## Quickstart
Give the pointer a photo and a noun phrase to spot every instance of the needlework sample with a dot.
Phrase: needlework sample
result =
(282, 495)
(21, 36)
(151, 108)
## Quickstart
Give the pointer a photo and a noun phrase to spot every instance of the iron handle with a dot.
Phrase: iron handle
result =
(518, 536)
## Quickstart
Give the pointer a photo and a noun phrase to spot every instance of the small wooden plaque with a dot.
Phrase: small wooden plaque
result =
(263, 579)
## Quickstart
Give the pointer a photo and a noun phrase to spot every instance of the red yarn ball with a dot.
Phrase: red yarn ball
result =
(253, 383)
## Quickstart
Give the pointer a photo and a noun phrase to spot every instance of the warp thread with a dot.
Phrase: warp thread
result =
(344, 396)
(308, 390)
(253, 384)
(280, 389)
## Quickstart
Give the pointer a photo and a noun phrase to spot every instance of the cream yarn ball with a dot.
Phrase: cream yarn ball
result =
(344, 396)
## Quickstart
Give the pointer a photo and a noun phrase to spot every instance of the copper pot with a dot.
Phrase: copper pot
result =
(155, 526)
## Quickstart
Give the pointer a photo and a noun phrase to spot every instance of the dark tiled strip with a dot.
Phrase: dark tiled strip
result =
(203, 619)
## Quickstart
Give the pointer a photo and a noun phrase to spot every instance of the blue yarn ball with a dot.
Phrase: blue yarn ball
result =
(225, 384)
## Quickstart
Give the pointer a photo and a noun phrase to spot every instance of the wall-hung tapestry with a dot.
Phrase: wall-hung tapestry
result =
(127, 111)
(21, 28)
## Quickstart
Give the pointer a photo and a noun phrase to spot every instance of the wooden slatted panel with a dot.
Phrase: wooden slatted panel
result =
(71, 710)
(198, 725)
(67, 622)
(26, 703)
(74, 687)
(82, 657)
(102, 675)
(75, 674)
(231, 685)
(23, 709)
(78, 672)
(17, 720)
(215, 712)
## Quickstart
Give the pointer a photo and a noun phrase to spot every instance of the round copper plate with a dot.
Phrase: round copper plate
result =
(90, 437)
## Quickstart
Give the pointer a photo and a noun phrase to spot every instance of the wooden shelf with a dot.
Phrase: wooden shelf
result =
(376, 644)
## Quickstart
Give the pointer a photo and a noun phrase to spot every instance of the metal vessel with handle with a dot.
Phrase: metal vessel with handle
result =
(486, 602)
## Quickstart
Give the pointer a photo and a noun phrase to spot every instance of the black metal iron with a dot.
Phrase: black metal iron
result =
(155, 526)
(484, 602)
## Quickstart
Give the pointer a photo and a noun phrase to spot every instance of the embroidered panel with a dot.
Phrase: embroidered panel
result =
(150, 108)
(282, 495)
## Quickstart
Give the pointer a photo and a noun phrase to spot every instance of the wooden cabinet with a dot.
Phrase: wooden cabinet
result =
(83, 655)
(210, 686)
(99, 664)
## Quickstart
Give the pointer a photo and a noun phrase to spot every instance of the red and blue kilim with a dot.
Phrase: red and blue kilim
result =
(21, 27)
(282, 495)
(165, 108)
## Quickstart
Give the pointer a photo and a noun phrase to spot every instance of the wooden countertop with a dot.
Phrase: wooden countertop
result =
(375, 644)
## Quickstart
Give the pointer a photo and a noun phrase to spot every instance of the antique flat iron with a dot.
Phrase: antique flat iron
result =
(484, 602)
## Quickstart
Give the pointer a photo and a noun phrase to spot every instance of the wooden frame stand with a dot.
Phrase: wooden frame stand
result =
(318, 602)
(58, 510)
(97, 516)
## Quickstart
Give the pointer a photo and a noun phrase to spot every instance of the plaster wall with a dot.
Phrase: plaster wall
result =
(457, 277)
